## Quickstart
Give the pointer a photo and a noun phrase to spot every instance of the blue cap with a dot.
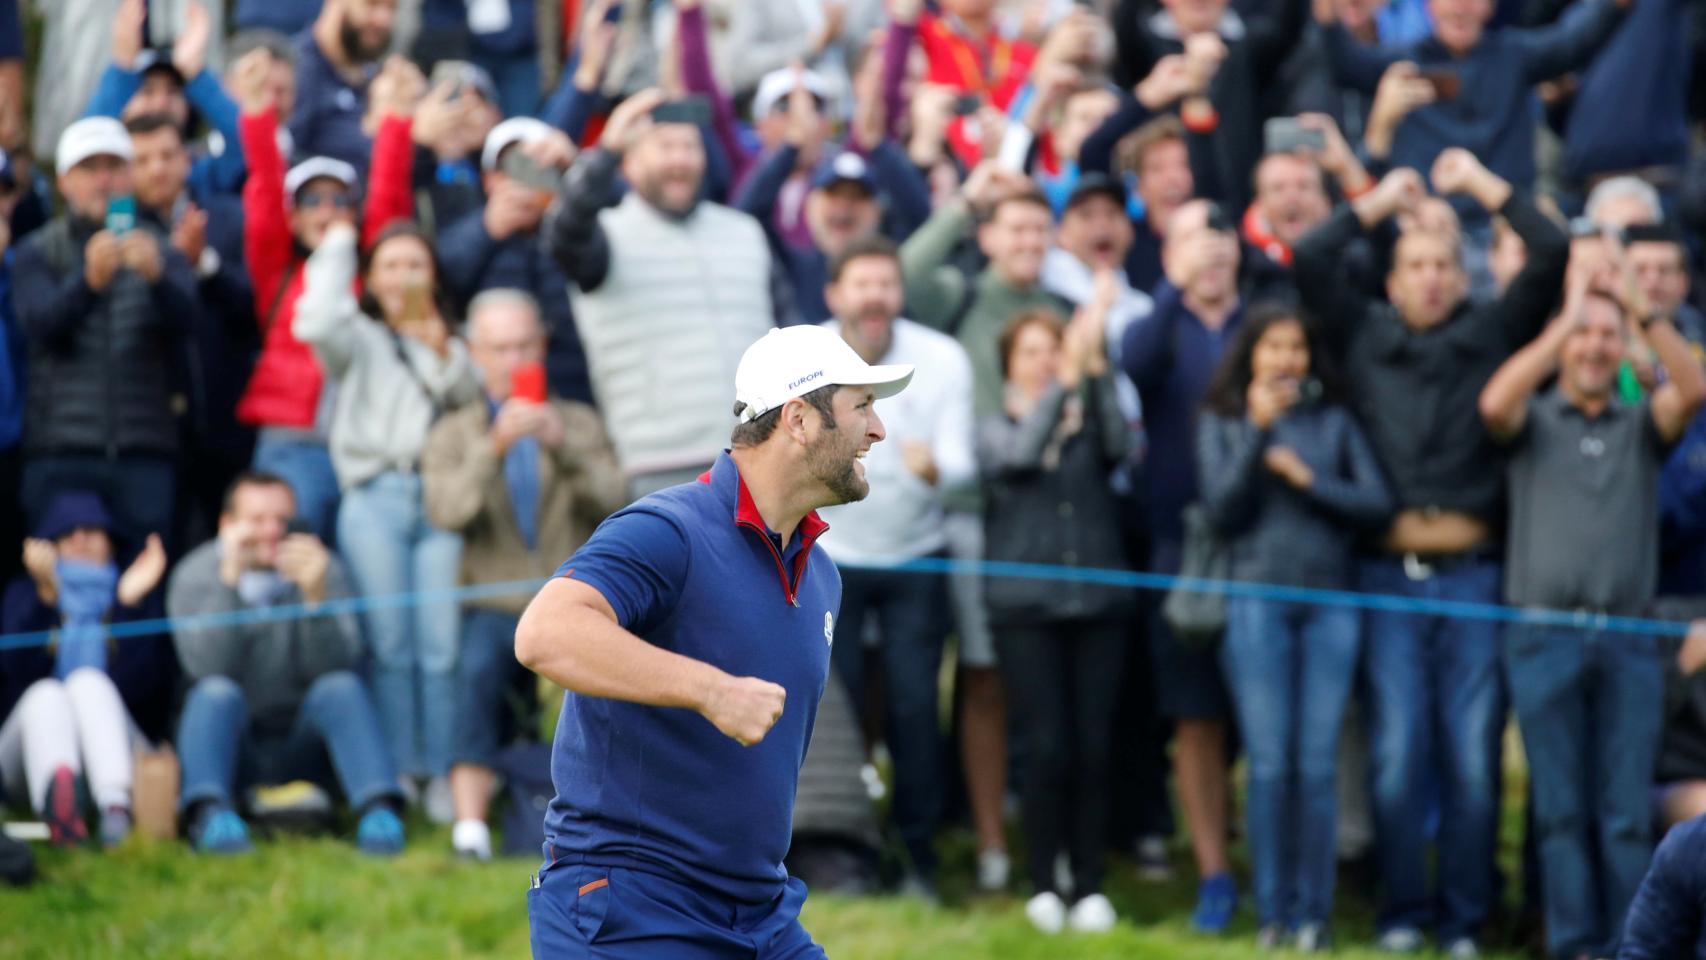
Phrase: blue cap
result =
(844, 167)
(73, 510)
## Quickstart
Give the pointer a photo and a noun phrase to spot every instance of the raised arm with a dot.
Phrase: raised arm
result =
(698, 77)
(1354, 64)
(577, 241)
(1318, 256)
(1570, 43)
(934, 291)
(47, 308)
(1275, 34)
(758, 196)
(1505, 399)
(326, 313)
(390, 179)
(1008, 447)
(1679, 398)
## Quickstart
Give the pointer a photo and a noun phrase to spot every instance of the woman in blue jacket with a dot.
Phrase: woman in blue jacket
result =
(1287, 481)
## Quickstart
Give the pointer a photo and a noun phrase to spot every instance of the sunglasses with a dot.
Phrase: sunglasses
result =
(343, 201)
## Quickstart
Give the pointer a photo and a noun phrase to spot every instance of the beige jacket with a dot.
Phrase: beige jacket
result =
(465, 493)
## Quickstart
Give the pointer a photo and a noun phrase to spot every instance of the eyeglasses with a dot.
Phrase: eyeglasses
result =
(343, 201)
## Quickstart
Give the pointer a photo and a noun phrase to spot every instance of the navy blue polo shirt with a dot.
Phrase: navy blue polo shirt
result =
(694, 569)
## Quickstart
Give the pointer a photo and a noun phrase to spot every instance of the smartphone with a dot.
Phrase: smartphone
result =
(1219, 220)
(454, 74)
(523, 169)
(1446, 83)
(694, 109)
(1309, 391)
(297, 525)
(1287, 135)
(967, 104)
(417, 302)
(121, 214)
(527, 382)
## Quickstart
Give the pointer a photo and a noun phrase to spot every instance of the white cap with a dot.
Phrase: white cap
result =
(512, 131)
(793, 361)
(314, 168)
(92, 137)
(778, 84)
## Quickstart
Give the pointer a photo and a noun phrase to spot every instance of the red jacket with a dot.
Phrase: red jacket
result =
(285, 388)
(995, 67)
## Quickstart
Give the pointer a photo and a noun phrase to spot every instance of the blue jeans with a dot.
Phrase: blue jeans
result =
(486, 671)
(911, 610)
(336, 717)
(1436, 712)
(307, 467)
(1289, 667)
(141, 491)
(517, 78)
(392, 549)
(1590, 706)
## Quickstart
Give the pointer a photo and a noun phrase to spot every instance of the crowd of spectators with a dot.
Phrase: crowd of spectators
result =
(313, 300)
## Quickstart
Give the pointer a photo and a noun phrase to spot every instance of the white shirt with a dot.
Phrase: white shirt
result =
(902, 517)
(1072, 279)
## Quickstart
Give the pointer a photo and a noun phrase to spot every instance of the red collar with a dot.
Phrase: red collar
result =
(811, 527)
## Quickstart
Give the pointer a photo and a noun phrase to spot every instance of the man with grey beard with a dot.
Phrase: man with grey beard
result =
(668, 289)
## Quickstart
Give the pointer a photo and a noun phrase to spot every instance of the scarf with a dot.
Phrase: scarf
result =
(86, 592)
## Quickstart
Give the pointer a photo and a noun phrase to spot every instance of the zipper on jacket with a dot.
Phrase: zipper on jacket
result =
(781, 568)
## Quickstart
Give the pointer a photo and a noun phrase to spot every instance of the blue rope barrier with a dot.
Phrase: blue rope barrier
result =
(1390, 603)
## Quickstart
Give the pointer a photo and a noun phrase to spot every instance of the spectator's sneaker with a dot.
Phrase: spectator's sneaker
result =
(1217, 900)
(1312, 938)
(1463, 948)
(1153, 864)
(1270, 938)
(65, 826)
(115, 825)
(1400, 940)
(1047, 912)
(993, 869)
(472, 839)
(380, 832)
(220, 831)
(440, 810)
(916, 886)
(1092, 914)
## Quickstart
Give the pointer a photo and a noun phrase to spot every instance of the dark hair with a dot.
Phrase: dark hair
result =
(1232, 378)
(874, 245)
(1034, 317)
(1131, 149)
(146, 123)
(252, 478)
(405, 228)
(754, 432)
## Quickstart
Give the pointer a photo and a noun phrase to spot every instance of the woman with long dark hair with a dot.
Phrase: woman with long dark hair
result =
(1062, 644)
(398, 365)
(1288, 481)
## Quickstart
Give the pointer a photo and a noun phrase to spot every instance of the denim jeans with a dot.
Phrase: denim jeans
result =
(141, 491)
(1436, 713)
(1289, 667)
(517, 78)
(911, 610)
(1590, 706)
(307, 467)
(486, 671)
(391, 549)
(336, 717)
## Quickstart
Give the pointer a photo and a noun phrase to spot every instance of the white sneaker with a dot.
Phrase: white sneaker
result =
(472, 838)
(1400, 940)
(1463, 948)
(1047, 912)
(993, 869)
(1093, 914)
(435, 800)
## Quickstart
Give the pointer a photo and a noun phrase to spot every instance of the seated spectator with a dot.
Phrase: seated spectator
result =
(70, 707)
(1668, 916)
(1583, 536)
(1171, 357)
(524, 481)
(1014, 224)
(103, 304)
(928, 452)
(274, 700)
(398, 368)
(662, 280)
(143, 82)
(498, 245)
(285, 217)
(1289, 484)
(336, 61)
(1045, 461)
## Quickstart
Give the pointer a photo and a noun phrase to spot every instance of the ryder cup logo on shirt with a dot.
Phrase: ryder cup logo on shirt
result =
(828, 628)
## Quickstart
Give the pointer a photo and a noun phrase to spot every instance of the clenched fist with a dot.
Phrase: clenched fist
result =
(744, 708)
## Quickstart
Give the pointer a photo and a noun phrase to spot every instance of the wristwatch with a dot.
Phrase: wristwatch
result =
(208, 264)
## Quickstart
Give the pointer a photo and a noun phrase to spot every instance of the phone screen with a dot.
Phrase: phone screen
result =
(1286, 135)
(121, 214)
(693, 109)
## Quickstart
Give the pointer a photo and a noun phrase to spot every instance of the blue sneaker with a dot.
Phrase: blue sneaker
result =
(222, 832)
(1217, 899)
(379, 833)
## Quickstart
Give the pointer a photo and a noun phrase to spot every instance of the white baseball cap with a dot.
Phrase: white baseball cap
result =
(778, 84)
(314, 168)
(793, 361)
(92, 137)
(512, 131)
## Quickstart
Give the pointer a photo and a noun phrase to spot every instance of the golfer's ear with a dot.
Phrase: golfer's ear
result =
(794, 415)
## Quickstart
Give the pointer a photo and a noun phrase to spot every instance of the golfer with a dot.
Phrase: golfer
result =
(693, 633)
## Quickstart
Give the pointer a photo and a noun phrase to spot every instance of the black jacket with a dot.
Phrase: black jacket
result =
(100, 374)
(1417, 392)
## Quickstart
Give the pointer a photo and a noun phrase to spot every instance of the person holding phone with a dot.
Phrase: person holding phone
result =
(523, 478)
(398, 368)
(1289, 482)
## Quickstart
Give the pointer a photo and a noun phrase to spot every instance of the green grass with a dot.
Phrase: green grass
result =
(318, 898)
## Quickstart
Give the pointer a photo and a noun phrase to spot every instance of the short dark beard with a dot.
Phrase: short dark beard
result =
(829, 466)
(350, 37)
